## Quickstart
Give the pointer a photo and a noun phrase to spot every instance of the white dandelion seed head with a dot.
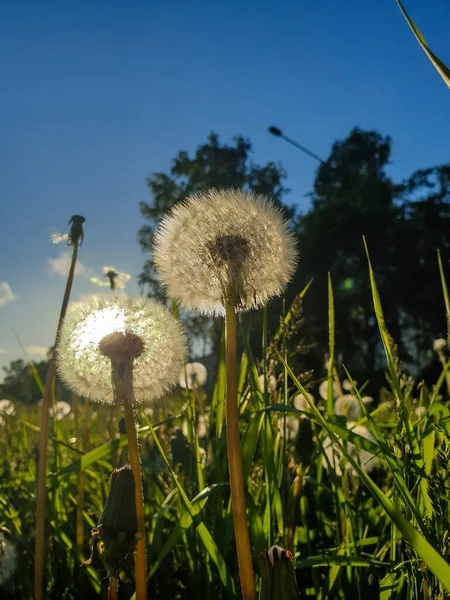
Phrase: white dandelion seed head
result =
(8, 558)
(348, 406)
(117, 319)
(367, 399)
(203, 426)
(439, 345)
(332, 457)
(347, 385)
(323, 390)
(301, 403)
(366, 459)
(420, 411)
(271, 383)
(7, 407)
(224, 243)
(60, 410)
(196, 375)
(292, 427)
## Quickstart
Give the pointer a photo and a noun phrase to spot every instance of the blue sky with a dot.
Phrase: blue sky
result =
(95, 96)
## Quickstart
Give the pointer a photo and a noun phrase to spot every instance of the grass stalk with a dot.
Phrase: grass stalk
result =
(244, 554)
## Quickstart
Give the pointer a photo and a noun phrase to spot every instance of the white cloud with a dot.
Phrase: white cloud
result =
(37, 350)
(61, 265)
(3, 351)
(6, 293)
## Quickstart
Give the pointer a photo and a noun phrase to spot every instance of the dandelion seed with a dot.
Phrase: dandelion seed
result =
(196, 375)
(8, 558)
(348, 406)
(223, 244)
(57, 238)
(99, 325)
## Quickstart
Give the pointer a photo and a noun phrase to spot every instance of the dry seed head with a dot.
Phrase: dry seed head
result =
(118, 327)
(196, 375)
(220, 245)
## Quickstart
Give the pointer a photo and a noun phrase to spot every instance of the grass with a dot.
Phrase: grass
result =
(381, 535)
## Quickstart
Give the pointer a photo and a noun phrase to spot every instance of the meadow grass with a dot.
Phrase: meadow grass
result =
(354, 532)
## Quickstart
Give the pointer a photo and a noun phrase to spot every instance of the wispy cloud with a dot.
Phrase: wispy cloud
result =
(120, 278)
(6, 293)
(3, 351)
(61, 265)
(37, 351)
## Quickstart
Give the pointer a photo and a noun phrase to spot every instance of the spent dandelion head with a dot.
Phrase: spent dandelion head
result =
(348, 406)
(99, 330)
(8, 557)
(223, 246)
(195, 373)
(439, 345)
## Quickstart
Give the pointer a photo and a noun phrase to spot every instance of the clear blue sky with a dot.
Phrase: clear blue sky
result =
(96, 95)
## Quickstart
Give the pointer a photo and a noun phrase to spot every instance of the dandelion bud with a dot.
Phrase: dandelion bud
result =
(115, 537)
(278, 575)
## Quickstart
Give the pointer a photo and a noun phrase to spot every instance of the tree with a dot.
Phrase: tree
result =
(213, 165)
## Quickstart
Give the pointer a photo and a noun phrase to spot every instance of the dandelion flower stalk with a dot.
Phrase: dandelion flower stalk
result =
(220, 252)
(244, 553)
(119, 349)
(75, 239)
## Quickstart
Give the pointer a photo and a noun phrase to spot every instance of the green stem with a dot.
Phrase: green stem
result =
(244, 554)
(122, 375)
(39, 546)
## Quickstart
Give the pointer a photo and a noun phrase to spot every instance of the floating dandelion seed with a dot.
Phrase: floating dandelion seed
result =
(196, 375)
(60, 410)
(8, 558)
(123, 323)
(223, 244)
(348, 406)
(57, 238)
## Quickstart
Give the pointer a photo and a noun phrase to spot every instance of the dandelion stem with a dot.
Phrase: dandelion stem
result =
(235, 463)
(39, 548)
(112, 588)
(122, 374)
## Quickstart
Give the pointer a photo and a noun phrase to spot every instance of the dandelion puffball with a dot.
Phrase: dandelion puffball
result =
(8, 558)
(224, 245)
(7, 407)
(323, 390)
(301, 403)
(102, 329)
(60, 410)
(366, 459)
(439, 345)
(348, 406)
(271, 383)
(195, 374)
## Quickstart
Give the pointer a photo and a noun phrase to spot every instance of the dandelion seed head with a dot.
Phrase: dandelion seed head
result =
(271, 383)
(196, 375)
(60, 410)
(439, 345)
(420, 411)
(323, 390)
(292, 427)
(119, 327)
(8, 558)
(301, 403)
(366, 459)
(7, 407)
(222, 244)
(348, 406)
(347, 385)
